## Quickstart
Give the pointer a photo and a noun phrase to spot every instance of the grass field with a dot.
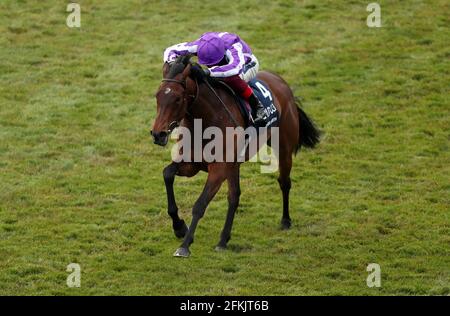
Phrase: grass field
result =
(81, 181)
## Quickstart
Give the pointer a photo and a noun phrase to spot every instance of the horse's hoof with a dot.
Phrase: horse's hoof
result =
(285, 224)
(182, 253)
(181, 231)
(220, 248)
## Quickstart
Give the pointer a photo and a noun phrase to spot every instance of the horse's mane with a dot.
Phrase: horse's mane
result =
(178, 65)
(196, 70)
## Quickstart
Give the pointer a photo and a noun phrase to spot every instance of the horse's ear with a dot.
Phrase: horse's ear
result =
(166, 68)
(187, 71)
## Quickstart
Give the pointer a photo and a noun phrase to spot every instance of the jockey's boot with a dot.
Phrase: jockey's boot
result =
(258, 109)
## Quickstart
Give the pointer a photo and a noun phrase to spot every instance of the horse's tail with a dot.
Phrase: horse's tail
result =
(309, 134)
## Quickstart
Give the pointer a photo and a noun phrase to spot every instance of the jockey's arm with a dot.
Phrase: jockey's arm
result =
(236, 61)
(172, 52)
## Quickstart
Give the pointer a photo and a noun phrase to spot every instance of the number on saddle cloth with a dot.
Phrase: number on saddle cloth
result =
(264, 95)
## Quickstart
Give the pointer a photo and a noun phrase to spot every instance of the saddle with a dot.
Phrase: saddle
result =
(264, 95)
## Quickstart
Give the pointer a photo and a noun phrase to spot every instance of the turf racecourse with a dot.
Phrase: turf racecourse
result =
(81, 182)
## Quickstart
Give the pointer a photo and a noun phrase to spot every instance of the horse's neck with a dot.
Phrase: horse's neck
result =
(209, 109)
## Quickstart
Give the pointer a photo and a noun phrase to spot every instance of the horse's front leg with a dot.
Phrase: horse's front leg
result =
(183, 169)
(216, 176)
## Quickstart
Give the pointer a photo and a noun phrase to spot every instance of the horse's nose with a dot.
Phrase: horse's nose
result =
(159, 138)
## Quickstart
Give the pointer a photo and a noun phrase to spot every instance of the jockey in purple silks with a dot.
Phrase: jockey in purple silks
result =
(227, 57)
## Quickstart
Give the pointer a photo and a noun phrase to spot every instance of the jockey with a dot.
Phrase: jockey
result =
(227, 57)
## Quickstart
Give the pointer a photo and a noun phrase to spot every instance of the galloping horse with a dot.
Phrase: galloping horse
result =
(185, 95)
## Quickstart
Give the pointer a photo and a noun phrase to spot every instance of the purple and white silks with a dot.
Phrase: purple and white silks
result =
(238, 53)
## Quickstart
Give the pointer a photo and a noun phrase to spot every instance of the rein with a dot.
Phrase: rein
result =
(183, 83)
(224, 106)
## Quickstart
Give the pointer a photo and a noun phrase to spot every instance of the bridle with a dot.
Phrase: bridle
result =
(183, 84)
(175, 124)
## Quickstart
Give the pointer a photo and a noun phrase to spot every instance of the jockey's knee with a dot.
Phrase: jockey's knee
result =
(237, 84)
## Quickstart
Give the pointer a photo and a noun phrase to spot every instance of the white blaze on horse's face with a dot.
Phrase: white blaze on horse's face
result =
(167, 91)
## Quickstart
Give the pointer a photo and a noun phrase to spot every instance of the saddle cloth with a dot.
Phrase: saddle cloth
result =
(265, 96)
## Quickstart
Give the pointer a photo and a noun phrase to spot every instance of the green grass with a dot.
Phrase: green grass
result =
(82, 182)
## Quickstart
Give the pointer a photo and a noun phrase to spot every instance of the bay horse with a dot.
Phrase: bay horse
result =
(184, 95)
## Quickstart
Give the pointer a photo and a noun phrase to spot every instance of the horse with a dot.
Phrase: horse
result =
(185, 94)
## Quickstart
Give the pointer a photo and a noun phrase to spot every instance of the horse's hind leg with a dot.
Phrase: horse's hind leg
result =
(285, 165)
(234, 192)
(179, 226)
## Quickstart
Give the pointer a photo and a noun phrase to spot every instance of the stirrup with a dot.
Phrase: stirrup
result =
(261, 111)
(259, 120)
(251, 120)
